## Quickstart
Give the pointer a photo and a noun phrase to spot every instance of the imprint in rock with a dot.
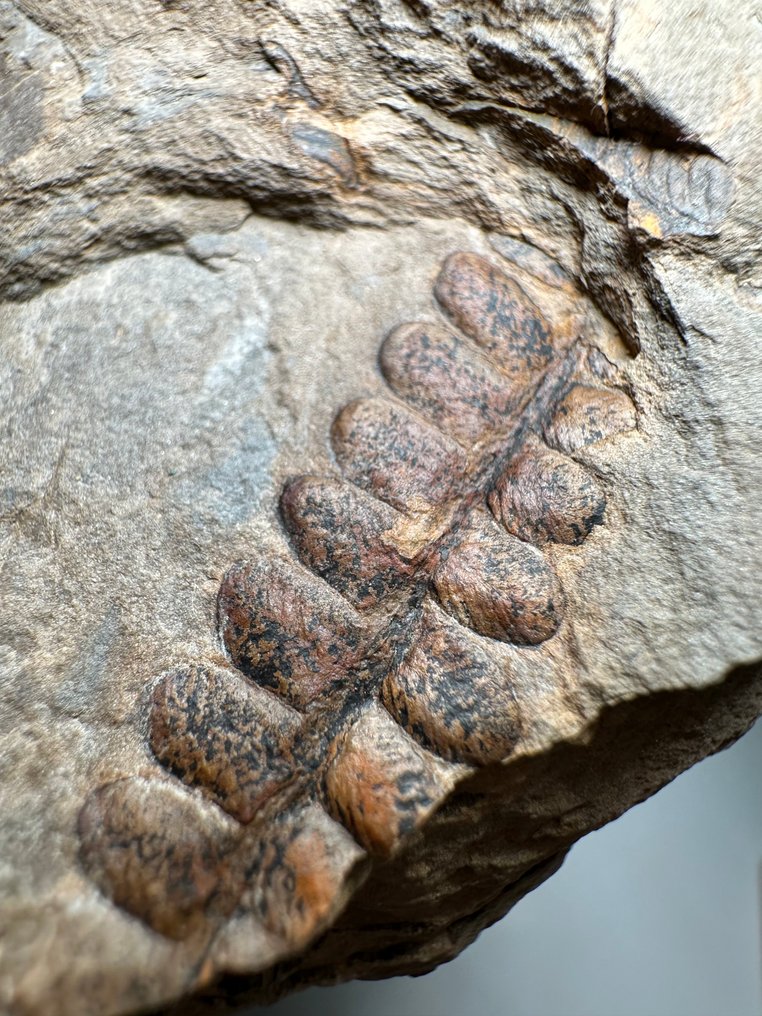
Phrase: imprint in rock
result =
(381, 662)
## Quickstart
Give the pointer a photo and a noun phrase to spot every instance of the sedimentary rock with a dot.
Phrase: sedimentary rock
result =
(380, 503)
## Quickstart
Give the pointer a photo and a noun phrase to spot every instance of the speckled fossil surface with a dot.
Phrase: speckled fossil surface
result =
(354, 683)
(380, 507)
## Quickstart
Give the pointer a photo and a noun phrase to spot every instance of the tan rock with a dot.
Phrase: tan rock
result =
(380, 502)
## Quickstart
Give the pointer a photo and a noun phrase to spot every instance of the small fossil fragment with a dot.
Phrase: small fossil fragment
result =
(218, 733)
(586, 415)
(543, 497)
(394, 454)
(499, 586)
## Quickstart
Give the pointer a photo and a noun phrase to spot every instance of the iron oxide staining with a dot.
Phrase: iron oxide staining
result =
(381, 785)
(543, 497)
(287, 631)
(498, 586)
(218, 733)
(385, 655)
(159, 855)
(452, 696)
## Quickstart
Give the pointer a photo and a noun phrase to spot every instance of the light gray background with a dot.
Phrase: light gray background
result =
(657, 914)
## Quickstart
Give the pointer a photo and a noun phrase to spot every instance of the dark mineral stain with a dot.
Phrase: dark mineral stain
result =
(499, 586)
(448, 381)
(544, 497)
(329, 148)
(394, 454)
(345, 536)
(495, 312)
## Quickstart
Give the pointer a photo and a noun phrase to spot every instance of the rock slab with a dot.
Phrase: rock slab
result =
(380, 505)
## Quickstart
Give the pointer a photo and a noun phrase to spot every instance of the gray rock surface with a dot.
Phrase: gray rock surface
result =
(211, 217)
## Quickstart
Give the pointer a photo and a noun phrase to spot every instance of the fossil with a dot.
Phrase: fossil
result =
(363, 682)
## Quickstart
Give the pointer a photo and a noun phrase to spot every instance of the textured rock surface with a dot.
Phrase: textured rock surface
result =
(380, 496)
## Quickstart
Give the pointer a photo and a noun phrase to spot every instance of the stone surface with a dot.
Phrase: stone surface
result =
(380, 501)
